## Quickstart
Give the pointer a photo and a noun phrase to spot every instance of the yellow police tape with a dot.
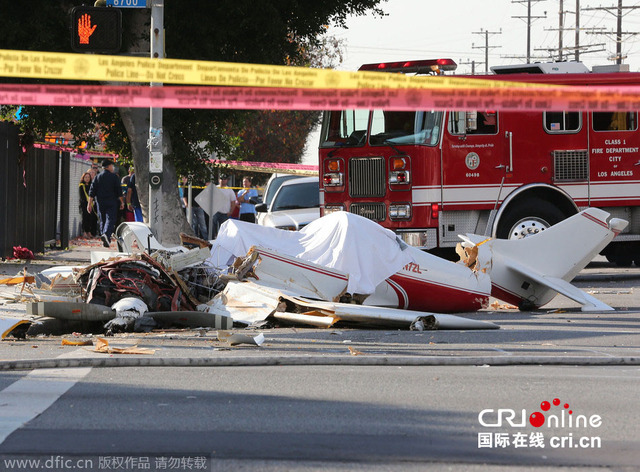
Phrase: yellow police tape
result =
(67, 66)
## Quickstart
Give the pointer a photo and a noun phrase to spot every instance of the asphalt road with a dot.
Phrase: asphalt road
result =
(322, 407)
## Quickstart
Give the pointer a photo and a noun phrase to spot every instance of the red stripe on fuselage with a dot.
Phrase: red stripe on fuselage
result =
(425, 295)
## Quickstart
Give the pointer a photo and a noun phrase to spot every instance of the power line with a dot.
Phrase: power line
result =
(618, 14)
(486, 46)
(529, 19)
(470, 63)
(419, 51)
(577, 48)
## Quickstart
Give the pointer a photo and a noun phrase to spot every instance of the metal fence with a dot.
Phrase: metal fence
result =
(34, 195)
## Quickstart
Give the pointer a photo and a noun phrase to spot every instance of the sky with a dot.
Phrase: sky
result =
(421, 29)
(460, 30)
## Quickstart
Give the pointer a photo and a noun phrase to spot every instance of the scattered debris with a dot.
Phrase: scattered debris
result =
(191, 319)
(468, 255)
(249, 302)
(442, 321)
(72, 311)
(180, 260)
(315, 318)
(20, 279)
(611, 292)
(14, 327)
(138, 275)
(355, 352)
(496, 305)
(128, 311)
(102, 345)
(58, 279)
(233, 339)
(123, 293)
(20, 252)
(192, 241)
(66, 342)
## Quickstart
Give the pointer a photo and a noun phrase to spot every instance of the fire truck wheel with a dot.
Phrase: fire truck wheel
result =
(621, 254)
(620, 260)
(528, 218)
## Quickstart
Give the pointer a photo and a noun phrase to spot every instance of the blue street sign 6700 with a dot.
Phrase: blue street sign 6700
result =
(127, 3)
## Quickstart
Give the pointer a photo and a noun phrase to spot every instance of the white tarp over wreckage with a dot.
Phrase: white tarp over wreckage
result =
(349, 243)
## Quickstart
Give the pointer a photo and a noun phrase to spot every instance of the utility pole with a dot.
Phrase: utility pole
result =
(529, 19)
(577, 43)
(470, 63)
(619, 14)
(486, 46)
(155, 126)
(561, 29)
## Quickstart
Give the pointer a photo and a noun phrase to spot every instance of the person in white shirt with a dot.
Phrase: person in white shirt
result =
(229, 202)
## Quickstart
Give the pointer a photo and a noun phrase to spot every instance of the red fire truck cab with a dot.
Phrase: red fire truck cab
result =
(431, 175)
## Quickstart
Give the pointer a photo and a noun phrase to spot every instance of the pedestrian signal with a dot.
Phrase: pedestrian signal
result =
(96, 29)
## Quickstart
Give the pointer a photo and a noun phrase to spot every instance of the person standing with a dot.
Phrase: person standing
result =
(106, 192)
(198, 221)
(89, 219)
(128, 211)
(93, 170)
(229, 204)
(247, 209)
(133, 202)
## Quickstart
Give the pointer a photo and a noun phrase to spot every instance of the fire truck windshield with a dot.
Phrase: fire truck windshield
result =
(348, 128)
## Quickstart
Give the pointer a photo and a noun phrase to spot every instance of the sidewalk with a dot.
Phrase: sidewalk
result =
(78, 253)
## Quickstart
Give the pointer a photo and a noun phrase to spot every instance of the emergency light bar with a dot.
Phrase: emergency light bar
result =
(419, 67)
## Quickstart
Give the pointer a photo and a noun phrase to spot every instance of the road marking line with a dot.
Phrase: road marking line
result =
(30, 396)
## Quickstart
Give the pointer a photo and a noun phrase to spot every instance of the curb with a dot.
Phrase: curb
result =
(605, 277)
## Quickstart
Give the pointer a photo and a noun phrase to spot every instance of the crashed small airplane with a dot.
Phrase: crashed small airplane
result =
(346, 267)
(383, 271)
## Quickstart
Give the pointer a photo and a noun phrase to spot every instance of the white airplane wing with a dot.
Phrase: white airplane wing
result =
(563, 287)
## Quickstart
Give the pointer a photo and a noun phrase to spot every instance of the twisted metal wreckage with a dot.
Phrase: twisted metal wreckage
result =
(339, 268)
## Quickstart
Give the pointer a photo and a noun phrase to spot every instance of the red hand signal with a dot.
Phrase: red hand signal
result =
(85, 29)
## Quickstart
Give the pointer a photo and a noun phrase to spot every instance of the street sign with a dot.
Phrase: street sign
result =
(127, 3)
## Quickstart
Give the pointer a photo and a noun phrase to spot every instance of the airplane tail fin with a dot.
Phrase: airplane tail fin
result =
(533, 268)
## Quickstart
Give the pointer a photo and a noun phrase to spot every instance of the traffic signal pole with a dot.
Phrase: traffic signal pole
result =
(155, 127)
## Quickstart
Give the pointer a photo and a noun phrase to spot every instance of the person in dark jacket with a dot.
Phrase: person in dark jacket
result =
(89, 219)
(106, 192)
(133, 202)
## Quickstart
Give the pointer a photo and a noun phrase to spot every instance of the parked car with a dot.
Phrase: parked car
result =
(294, 205)
(274, 183)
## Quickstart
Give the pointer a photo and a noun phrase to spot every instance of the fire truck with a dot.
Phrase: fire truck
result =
(431, 175)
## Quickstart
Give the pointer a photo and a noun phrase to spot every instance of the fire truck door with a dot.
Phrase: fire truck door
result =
(562, 154)
(474, 160)
(615, 158)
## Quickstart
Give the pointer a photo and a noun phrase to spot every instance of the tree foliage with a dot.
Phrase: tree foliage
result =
(278, 32)
(281, 136)
(266, 32)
